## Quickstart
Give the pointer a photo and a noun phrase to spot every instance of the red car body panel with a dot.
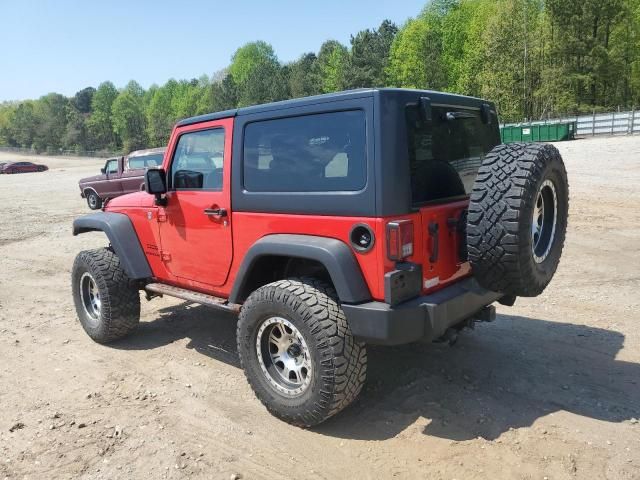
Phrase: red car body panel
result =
(189, 249)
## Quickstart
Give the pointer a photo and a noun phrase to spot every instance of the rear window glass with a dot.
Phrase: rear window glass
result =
(446, 155)
(312, 153)
(146, 161)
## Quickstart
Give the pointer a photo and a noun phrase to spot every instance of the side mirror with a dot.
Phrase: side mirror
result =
(103, 170)
(155, 183)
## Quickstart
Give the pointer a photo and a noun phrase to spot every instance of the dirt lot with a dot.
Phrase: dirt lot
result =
(549, 390)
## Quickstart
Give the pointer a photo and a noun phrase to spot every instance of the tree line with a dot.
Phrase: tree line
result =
(534, 58)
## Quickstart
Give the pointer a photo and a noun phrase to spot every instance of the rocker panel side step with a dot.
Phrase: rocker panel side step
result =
(191, 296)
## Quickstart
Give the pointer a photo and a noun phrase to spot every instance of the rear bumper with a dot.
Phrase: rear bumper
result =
(420, 319)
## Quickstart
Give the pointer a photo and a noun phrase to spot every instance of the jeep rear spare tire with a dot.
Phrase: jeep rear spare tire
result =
(517, 218)
(297, 351)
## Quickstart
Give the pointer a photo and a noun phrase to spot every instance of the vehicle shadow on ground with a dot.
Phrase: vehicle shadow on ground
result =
(502, 375)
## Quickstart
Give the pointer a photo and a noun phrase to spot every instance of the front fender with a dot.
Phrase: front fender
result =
(123, 239)
(335, 255)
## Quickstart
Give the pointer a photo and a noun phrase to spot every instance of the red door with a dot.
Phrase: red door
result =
(195, 225)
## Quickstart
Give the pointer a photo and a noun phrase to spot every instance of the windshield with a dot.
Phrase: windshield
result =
(446, 155)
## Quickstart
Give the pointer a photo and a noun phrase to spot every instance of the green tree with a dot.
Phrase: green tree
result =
(582, 48)
(7, 121)
(159, 113)
(333, 60)
(100, 124)
(128, 115)
(82, 99)
(415, 58)
(509, 72)
(304, 78)
(75, 136)
(370, 55)
(257, 73)
(223, 94)
(50, 121)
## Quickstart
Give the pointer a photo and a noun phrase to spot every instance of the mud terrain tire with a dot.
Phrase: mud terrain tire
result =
(337, 362)
(517, 218)
(106, 300)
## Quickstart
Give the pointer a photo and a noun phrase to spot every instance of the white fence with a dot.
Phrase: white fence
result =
(614, 123)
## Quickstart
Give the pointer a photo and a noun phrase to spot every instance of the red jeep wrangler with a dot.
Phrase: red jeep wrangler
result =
(379, 216)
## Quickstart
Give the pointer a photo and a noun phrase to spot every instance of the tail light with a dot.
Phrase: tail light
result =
(399, 239)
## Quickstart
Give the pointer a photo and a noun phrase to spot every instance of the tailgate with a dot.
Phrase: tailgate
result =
(444, 237)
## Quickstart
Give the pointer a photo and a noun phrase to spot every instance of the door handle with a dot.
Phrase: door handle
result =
(215, 212)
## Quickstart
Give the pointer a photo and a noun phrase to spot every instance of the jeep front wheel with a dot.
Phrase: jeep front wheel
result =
(107, 301)
(297, 351)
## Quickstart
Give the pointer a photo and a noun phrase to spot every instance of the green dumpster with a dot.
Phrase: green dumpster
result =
(538, 132)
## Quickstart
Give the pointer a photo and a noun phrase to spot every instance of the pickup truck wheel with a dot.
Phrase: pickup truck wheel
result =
(297, 351)
(94, 201)
(106, 300)
(517, 218)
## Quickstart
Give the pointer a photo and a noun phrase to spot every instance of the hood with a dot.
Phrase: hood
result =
(95, 178)
(137, 199)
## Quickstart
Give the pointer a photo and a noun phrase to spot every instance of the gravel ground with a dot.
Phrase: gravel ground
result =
(550, 390)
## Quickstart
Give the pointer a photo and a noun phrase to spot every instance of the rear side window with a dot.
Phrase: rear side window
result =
(197, 161)
(446, 155)
(145, 161)
(313, 153)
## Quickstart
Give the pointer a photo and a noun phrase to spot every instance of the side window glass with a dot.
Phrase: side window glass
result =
(197, 161)
(112, 166)
(136, 163)
(324, 152)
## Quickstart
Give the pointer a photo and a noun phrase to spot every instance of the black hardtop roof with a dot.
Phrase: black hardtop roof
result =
(304, 101)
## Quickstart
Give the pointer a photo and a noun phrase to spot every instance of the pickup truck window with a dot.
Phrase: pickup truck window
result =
(197, 161)
(111, 166)
(324, 152)
(145, 161)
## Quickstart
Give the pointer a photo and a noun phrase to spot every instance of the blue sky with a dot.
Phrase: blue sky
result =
(66, 45)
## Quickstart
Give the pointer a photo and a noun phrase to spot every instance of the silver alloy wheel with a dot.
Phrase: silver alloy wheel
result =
(284, 356)
(93, 200)
(543, 225)
(90, 297)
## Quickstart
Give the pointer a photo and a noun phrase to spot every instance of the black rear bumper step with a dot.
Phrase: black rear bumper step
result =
(191, 296)
(423, 318)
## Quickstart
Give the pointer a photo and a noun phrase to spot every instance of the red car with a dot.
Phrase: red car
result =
(22, 167)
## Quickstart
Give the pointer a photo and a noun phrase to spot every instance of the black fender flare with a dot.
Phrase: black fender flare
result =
(334, 254)
(123, 239)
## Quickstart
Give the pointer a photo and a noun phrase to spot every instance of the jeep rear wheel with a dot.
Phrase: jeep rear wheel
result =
(93, 200)
(107, 301)
(517, 218)
(297, 351)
